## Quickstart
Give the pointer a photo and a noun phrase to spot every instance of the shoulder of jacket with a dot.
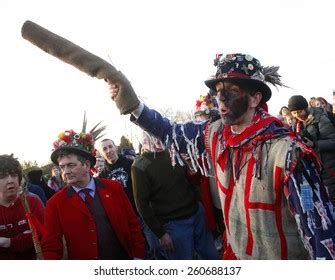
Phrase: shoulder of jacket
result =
(213, 127)
(141, 163)
(215, 124)
(105, 186)
(124, 159)
(283, 142)
(318, 114)
(105, 182)
(210, 129)
(60, 195)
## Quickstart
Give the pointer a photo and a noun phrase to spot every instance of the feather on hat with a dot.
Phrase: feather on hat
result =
(78, 143)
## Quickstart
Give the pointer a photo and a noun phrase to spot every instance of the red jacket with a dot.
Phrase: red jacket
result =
(13, 223)
(66, 214)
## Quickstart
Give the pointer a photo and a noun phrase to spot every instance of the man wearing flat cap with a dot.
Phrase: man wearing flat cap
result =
(274, 204)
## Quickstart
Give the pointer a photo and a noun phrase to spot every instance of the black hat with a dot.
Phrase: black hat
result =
(77, 150)
(34, 174)
(242, 67)
(297, 102)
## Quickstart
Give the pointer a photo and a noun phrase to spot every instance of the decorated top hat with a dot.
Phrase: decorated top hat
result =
(81, 143)
(243, 67)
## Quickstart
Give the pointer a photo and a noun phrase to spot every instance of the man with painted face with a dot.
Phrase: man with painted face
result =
(274, 203)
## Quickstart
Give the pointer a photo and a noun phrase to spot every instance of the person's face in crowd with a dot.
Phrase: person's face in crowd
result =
(234, 103)
(289, 120)
(9, 186)
(284, 111)
(151, 144)
(74, 172)
(100, 164)
(319, 103)
(312, 102)
(109, 151)
(55, 171)
(300, 115)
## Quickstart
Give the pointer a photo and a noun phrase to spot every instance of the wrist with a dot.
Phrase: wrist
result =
(138, 111)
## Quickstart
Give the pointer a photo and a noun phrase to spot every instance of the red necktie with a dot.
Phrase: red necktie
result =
(88, 199)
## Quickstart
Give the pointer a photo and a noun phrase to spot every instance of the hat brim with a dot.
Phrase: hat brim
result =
(264, 88)
(89, 156)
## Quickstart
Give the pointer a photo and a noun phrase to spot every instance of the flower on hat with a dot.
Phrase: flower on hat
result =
(205, 104)
(70, 138)
(82, 142)
(66, 136)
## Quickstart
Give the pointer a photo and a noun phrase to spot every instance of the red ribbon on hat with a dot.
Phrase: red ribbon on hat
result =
(232, 75)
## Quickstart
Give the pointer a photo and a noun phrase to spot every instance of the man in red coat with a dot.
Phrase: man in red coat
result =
(94, 215)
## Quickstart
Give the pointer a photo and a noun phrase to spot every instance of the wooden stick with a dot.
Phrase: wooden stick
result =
(83, 60)
(37, 244)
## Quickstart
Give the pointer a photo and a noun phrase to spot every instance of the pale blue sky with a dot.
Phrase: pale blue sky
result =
(166, 49)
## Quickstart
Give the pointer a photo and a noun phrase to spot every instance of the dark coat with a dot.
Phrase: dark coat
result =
(321, 131)
(36, 189)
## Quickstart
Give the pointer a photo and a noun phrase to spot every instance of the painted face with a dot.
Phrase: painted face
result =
(109, 151)
(301, 115)
(233, 103)
(74, 172)
(9, 186)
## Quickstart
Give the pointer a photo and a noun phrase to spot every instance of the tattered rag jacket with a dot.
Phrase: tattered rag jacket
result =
(274, 203)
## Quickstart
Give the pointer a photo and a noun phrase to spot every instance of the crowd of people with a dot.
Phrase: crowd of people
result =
(233, 183)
